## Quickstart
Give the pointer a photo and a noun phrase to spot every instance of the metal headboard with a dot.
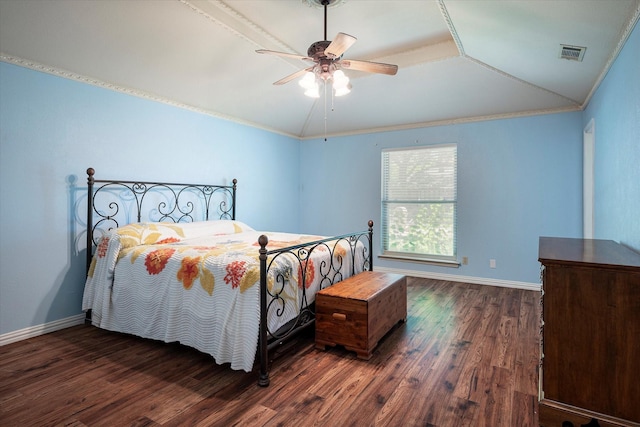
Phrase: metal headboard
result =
(116, 202)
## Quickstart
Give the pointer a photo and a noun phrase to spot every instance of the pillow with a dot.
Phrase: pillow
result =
(149, 233)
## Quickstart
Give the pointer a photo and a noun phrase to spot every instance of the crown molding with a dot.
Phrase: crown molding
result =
(452, 28)
(626, 32)
(242, 27)
(129, 91)
(448, 122)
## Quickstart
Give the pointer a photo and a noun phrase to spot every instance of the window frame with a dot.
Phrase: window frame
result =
(445, 260)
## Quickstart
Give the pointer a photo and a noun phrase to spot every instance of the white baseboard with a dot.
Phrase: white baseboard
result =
(34, 331)
(464, 279)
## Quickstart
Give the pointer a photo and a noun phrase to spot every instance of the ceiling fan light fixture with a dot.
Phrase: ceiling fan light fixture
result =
(310, 84)
(341, 91)
(313, 92)
(340, 79)
(340, 83)
(308, 81)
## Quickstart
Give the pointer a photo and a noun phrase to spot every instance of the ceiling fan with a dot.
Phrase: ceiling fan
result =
(328, 63)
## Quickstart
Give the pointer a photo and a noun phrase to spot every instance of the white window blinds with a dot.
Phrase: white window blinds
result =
(419, 196)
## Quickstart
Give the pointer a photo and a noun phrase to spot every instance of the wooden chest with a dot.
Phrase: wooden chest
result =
(357, 312)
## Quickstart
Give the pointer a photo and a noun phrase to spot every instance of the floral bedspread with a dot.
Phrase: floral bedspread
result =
(197, 284)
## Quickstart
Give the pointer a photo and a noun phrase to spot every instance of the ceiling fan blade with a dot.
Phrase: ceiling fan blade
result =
(339, 45)
(292, 76)
(370, 67)
(288, 55)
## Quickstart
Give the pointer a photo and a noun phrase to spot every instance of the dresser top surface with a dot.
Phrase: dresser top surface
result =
(586, 251)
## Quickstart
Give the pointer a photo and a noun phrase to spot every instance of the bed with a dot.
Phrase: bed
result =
(171, 262)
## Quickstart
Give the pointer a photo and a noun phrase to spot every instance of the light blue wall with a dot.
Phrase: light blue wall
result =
(52, 129)
(518, 179)
(615, 108)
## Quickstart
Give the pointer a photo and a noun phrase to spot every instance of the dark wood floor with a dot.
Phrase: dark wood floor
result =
(467, 356)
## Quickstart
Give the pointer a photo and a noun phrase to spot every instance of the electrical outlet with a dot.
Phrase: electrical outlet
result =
(492, 263)
(465, 260)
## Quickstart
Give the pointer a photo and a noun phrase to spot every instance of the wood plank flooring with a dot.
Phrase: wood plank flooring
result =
(467, 356)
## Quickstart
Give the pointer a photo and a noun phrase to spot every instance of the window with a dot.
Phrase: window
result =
(419, 196)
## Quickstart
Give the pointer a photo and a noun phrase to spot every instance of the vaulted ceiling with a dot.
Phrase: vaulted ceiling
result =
(458, 59)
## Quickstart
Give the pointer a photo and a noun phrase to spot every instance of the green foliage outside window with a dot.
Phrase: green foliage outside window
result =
(421, 229)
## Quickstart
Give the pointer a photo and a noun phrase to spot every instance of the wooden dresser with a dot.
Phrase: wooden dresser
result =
(591, 333)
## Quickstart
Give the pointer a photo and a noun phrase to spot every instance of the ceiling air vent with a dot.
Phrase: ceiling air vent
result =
(573, 53)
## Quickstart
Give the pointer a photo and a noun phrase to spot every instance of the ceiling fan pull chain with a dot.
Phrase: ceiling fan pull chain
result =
(332, 98)
(325, 110)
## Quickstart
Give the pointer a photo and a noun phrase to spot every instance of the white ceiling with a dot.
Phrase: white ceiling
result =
(458, 59)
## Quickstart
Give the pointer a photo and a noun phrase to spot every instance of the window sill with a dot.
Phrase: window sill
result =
(420, 260)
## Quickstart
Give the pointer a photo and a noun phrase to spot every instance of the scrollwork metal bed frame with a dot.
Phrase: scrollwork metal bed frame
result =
(177, 206)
